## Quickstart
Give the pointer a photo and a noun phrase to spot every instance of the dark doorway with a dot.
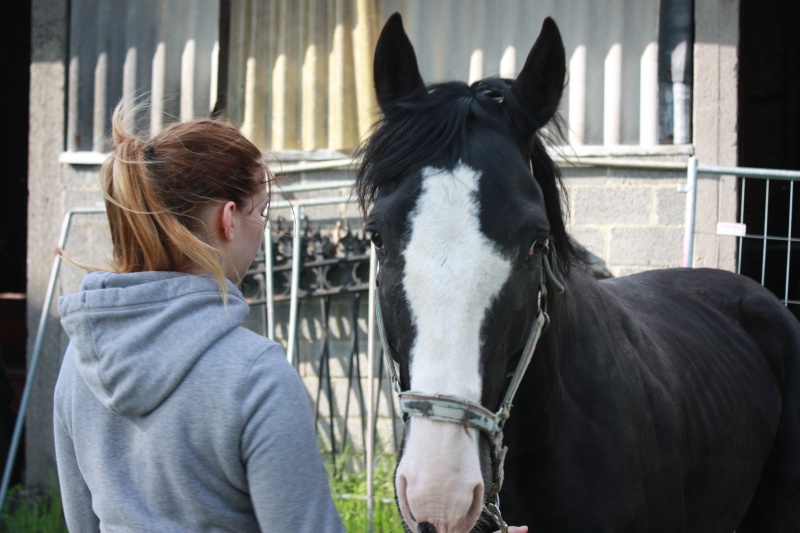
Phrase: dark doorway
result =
(768, 135)
(15, 21)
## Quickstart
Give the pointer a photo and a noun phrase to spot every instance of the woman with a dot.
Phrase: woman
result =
(169, 415)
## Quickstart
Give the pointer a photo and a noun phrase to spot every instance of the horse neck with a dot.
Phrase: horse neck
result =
(541, 395)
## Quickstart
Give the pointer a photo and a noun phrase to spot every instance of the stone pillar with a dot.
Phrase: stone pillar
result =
(715, 122)
(49, 25)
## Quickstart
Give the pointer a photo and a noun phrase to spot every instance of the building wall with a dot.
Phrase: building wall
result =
(631, 219)
(162, 53)
(611, 48)
(715, 124)
(45, 209)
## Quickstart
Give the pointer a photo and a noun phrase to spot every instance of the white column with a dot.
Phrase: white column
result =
(612, 96)
(577, 96)
(648, 96)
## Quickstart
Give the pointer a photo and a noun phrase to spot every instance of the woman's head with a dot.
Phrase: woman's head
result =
(168, 197)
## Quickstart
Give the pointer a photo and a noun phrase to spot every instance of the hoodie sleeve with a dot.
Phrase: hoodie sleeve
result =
(287, 480)
(75, 495)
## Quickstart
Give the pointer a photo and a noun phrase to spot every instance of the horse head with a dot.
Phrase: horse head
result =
(464, 208)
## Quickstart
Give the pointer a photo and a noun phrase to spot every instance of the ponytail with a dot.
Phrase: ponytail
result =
(156, 192)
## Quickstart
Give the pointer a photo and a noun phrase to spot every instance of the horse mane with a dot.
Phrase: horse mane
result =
(416, 131)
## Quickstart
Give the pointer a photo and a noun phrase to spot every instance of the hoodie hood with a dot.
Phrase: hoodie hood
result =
(136, 336)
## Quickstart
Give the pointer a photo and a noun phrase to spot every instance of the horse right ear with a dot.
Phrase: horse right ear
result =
(395, 69)
(541, 81)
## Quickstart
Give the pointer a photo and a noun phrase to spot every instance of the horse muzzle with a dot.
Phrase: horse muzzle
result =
(439, 483)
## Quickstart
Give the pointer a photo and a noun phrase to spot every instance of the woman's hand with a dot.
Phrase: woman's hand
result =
(517, 529)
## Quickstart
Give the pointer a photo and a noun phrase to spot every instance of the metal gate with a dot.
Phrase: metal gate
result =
(766, 229)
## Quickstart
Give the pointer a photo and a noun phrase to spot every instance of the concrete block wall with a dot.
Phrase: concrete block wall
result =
(632, 219)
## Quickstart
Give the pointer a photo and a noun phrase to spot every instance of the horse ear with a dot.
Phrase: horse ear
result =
(541, 81)
(395, 69)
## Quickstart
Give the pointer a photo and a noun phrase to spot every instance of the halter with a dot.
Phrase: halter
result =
(444, 408)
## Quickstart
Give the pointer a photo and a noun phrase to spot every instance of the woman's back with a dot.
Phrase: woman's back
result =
(179, 419)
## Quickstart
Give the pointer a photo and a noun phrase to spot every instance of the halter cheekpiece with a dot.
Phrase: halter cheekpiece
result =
(444, 408)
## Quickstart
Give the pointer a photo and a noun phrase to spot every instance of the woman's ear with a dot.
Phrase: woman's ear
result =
(226, 219)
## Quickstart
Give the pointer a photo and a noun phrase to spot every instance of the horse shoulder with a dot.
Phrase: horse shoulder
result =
(677, 362)
(745, 308)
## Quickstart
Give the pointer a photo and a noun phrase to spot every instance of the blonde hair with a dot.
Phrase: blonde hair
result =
(156, 191)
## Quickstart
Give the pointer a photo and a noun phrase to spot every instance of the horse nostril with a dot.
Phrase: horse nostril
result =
(477, 504)
(402, 485)
(426, 527)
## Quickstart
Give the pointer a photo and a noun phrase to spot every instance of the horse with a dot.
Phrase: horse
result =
(665, 401)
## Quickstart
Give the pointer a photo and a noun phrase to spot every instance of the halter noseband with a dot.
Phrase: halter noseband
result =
(444, 408)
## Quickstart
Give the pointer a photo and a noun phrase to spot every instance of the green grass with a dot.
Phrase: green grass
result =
(31, 511)
(350, 490)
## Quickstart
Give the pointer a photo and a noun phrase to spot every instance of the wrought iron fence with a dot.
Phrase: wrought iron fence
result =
(334, 277)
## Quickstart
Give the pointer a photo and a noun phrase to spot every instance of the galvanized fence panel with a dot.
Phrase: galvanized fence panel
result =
(767, 230)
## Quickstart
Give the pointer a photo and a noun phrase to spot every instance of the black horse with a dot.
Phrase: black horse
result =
(664, 401)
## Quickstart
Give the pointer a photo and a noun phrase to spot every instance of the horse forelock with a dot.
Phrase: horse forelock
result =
(428, 130)
(410, 135)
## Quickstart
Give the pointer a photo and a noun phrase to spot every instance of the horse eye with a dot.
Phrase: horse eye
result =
(493, 94)
(538, 247)
(377, 241)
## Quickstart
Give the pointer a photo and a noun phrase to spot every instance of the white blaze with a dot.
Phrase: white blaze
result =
(452, 274)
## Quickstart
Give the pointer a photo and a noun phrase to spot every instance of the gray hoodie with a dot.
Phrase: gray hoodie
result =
(170, 416)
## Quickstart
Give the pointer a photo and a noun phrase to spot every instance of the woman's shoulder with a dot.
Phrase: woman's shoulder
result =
(253, 346)
(254, 356)
(268, 379)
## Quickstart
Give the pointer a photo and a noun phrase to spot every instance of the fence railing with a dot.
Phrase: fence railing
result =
(773, 231)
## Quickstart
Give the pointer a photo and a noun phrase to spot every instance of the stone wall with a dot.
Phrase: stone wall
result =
(715, 122)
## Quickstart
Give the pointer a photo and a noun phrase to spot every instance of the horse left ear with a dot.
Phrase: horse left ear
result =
(394, 68)
(541, 81)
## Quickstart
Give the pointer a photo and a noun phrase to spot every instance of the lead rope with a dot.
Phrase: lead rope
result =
(493, 510)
